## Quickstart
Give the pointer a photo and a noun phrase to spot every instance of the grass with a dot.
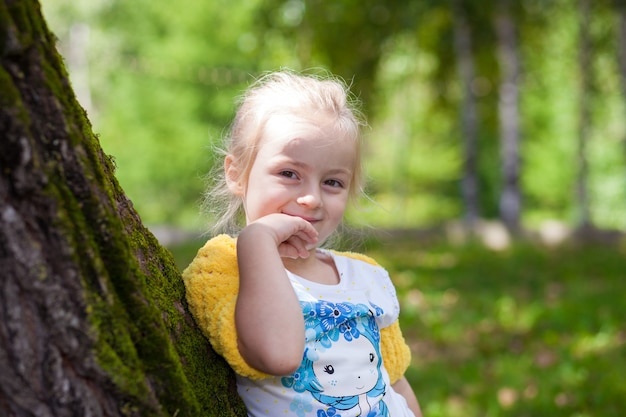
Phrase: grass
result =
(527, 331)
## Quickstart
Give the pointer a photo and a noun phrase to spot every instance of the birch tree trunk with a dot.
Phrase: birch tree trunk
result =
(93, 320)
(584, 118)
(508, 114)
(621, 44)
(469, 114)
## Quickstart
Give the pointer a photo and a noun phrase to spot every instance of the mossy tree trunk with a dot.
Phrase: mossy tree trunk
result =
(93, 320)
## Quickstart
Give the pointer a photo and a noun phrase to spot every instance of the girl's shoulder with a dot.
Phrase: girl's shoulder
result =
(218, 253)
(357, 256)
(364, 267)
(215, 263)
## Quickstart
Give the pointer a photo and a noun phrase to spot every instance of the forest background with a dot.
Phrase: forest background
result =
(507, 110)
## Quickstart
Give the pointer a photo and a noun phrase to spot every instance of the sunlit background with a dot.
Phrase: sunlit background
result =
(159, 81)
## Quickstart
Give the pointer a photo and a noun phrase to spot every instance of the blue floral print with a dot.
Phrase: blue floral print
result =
(331, 412)
(301, 405)
(331, 315)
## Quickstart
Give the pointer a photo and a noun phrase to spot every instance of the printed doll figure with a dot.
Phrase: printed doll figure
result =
(307, 330)
(346, 370)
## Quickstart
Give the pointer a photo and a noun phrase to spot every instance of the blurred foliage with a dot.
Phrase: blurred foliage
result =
(159, 81)
(529, 331)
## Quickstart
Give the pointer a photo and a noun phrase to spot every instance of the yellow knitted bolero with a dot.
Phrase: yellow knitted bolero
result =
(212, 284)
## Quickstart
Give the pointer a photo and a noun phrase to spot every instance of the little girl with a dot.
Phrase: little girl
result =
(308, 331)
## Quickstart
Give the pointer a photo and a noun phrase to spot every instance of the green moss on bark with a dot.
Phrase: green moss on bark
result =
(143, 337)
(10, 97)
(19, 16)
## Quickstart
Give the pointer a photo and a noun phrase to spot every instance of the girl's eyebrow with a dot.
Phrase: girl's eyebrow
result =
(304, 165)
(280, 160)
(345, 171)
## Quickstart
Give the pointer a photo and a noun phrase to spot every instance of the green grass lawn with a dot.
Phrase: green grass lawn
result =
(528, 331)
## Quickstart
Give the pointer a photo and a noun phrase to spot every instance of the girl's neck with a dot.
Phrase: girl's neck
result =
(319, 267)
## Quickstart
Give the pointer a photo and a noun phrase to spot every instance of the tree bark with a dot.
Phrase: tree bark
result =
(584, 118)
(508, 114)
(93, 320)
(620, 5)
(469, 115)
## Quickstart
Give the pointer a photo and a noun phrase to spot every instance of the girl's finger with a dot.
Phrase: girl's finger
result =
(299, 246)
(286, 250)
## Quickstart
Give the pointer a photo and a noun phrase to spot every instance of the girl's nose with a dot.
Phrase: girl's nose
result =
(310, 199)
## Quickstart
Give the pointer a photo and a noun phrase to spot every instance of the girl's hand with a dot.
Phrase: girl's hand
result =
(294, 237)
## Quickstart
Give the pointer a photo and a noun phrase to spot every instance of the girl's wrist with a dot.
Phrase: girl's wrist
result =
(257, 233)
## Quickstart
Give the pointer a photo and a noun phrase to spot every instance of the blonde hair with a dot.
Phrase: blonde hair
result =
(283, 93)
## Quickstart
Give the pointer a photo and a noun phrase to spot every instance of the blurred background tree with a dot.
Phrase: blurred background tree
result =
(498, 110)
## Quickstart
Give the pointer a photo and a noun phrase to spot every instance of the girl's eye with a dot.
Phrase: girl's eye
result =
(371, 357)
(334, 183)
(329, 369)
(288, 174)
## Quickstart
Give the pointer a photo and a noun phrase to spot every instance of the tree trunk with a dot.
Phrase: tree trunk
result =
(469, 115)
(93, 320)
(584, 118)
(508, 113)
(621, 43)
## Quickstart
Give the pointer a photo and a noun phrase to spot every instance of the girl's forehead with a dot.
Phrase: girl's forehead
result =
(317, 148)
(292, 132)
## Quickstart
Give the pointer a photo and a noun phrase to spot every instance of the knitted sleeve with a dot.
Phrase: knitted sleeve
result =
(395, 351)
(212, 284)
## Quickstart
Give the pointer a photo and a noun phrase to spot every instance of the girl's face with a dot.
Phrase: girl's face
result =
(301, 169)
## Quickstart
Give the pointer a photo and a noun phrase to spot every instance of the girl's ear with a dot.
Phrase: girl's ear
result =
(233, 176)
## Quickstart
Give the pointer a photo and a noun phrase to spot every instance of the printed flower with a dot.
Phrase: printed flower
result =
(301, 405)
(331, 314)
(349, 330)
(323, 340)
(310, 314)
(310, 335)
(326, 339)
(300, 380)
(295, 381)
(331, 412)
